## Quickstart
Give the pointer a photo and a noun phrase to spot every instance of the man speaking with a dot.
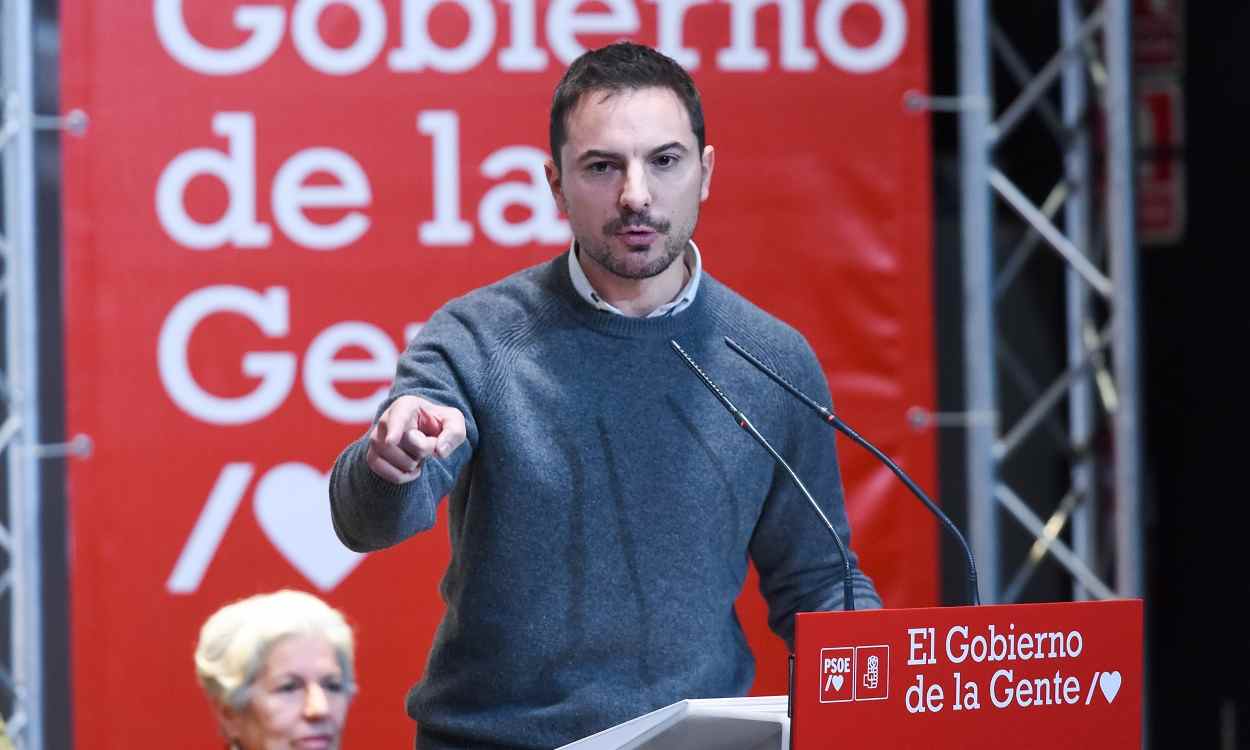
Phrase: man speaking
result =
(602, 505)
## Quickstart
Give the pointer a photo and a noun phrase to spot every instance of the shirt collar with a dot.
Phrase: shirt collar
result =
(692, 259)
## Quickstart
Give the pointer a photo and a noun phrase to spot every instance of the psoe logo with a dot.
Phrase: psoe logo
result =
(854, 673)
(872, 664)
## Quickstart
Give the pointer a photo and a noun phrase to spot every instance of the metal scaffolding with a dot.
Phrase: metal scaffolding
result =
(21, 690)
(1085, 224)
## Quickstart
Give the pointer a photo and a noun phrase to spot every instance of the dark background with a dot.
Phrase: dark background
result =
(1192, 330)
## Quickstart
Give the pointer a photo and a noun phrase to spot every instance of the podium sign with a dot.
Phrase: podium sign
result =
(1021, 676)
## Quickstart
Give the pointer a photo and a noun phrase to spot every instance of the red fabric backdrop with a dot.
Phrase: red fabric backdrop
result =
(271, 194)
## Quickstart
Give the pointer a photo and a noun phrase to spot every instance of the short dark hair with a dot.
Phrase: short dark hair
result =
(623, 66)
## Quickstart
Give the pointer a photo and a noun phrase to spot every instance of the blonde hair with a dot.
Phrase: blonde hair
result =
(236, 640)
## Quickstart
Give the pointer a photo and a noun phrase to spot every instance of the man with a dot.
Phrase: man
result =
(602, 503)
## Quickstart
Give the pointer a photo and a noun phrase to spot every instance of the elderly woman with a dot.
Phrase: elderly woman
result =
(278, 670)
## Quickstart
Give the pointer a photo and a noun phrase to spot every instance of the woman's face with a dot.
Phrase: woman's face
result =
(298, 701)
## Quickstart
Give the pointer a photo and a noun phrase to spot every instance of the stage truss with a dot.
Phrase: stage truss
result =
(1086, 225)
(21, 690)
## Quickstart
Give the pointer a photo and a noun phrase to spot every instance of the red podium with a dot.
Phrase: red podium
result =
(994, 676)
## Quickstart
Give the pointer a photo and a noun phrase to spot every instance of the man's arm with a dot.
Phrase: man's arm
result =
(385, 487)
(799, 564)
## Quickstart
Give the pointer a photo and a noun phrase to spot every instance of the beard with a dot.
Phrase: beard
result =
(624, 265)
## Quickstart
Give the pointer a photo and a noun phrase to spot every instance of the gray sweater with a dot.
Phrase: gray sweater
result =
(602, 508)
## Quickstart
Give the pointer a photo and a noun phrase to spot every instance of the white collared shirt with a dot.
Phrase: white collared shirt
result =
(679, 303)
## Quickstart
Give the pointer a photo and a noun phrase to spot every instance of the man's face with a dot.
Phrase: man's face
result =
(631, 179)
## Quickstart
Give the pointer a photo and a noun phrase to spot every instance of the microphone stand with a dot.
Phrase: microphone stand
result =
(831, 419)
(848, 597)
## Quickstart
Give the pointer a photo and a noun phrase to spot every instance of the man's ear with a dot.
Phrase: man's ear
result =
(709, 161)
(554, 182)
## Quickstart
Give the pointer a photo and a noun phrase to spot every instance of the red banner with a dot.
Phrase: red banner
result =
(1022, 676)
(269, 199)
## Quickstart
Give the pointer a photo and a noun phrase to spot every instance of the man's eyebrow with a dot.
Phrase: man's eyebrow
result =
(596, 153)
(673, 146)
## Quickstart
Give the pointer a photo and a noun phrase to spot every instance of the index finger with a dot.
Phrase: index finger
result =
(397, 419)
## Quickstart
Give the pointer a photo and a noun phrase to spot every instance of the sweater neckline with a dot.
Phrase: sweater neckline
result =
(622, 326)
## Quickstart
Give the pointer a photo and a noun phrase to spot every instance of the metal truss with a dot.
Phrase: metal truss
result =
(1086, 410)
(21, 690)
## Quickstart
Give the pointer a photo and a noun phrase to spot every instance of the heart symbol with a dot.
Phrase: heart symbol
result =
(1109, 683)
(837, 683)
(292, 506)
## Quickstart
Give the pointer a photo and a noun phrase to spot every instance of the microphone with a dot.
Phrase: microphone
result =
(974, 597)
(848, 596)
